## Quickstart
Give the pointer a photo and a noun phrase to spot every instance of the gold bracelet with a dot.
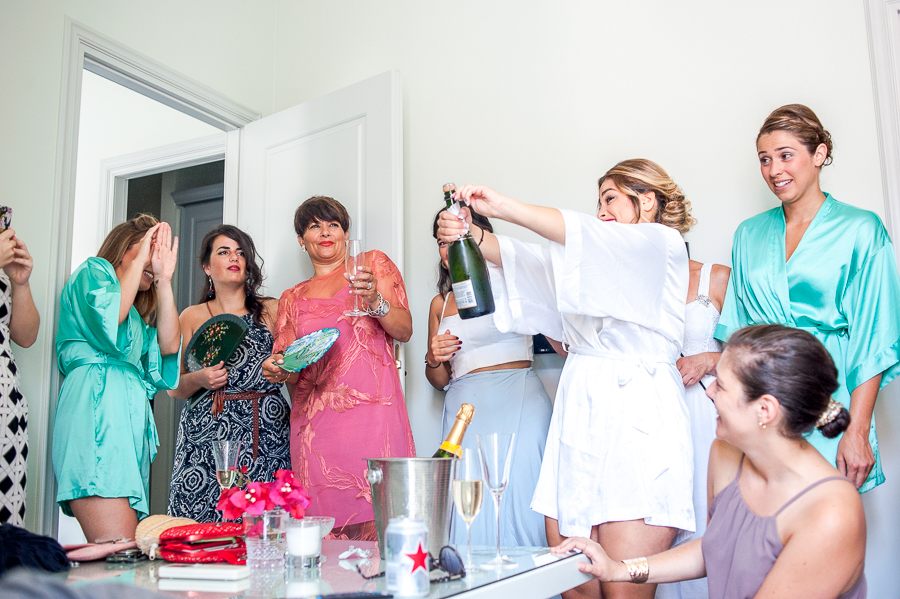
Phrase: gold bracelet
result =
(638, 568)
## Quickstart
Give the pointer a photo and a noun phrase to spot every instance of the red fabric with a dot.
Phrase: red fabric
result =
(349, 405)
(181, 543)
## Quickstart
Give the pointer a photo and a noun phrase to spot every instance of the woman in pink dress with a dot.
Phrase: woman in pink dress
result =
(349, 405)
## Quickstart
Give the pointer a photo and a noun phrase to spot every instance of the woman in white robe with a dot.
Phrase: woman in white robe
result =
(618, 462)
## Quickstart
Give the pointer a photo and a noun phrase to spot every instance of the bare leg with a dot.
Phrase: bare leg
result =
(589, 590)
(629, 539)
(104, 518)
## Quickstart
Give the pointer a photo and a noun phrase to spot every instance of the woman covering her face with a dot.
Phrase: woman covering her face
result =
(826, 267)
(118, 343)
(618, 461)
(348, 406)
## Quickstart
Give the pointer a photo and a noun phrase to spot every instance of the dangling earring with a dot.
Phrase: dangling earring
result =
(303, 247)
(211, 292)
(761, 425)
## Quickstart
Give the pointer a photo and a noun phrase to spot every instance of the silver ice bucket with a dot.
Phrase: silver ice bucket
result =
(415, 488)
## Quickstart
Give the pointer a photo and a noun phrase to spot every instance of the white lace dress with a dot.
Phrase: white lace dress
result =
(701, 318)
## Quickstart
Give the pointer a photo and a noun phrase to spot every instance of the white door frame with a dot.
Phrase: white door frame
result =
(115, 173)
(883, 20)
(85, 48)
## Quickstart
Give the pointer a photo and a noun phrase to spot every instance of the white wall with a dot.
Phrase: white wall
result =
(538, 99)
(116, 121)
(225, 44)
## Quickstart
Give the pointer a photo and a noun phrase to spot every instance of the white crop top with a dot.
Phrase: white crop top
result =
(482, 344)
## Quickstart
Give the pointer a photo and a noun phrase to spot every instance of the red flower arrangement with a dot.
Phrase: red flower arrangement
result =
(256, 498)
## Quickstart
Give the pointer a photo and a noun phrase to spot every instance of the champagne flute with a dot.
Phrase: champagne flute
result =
(355, 258)
(496, 451)
(468, 492)
(226, 454)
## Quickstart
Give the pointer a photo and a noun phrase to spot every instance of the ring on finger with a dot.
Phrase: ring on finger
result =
(369, 287)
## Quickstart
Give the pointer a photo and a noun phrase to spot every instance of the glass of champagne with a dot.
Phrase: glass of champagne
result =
(226, 455)
(468, 489)
(355, 258)
(496, 451)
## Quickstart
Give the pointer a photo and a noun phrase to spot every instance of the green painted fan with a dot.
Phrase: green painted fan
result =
(215, 341)
(308, 349)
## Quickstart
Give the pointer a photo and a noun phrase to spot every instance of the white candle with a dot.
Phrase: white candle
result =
(304, 539)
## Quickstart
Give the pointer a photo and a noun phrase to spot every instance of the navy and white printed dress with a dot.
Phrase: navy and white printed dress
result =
(194, 491)
(13, 418)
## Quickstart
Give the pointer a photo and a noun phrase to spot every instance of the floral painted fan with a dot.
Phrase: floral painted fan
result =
(308, 349)
(215, 341)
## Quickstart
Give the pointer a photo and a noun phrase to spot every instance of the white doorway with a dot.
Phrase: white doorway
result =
(349, 141)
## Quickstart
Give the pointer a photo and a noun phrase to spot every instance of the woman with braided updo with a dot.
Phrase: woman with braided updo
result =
(783, 522)
(618, 462)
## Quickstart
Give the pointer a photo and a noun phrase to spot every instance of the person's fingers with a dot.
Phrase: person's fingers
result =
(175, 247)
(841, 465)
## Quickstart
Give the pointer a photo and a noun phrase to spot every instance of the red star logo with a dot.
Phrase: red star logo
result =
(418, 558)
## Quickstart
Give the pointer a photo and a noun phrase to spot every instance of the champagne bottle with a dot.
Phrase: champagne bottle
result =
(452, 445)
(468, 272)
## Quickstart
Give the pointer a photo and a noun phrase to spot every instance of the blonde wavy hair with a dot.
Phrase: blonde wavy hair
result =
(115, 245)
(638, 176)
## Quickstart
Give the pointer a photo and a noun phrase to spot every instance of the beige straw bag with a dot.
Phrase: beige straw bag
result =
(148, 530)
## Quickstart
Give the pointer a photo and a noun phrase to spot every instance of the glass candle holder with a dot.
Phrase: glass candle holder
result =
(304, 544)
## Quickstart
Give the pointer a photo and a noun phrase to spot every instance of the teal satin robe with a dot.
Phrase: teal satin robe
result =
(841, 285)
(104, 435)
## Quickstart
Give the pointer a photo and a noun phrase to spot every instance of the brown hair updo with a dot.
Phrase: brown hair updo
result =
(638, 176)
(122, 237)
(802, 123)
(792, 366)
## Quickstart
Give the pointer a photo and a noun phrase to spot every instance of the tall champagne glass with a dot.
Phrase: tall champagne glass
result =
(496, 451)
(225, 454)
(355, 258)
(468, 489)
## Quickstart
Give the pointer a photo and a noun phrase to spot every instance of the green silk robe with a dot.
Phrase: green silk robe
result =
(104, 435)
(841, 284)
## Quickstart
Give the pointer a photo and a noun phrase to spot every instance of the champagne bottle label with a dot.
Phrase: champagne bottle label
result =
(464, 293)
(451, 448)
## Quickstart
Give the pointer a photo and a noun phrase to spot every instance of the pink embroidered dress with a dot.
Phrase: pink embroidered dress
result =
(349, 405)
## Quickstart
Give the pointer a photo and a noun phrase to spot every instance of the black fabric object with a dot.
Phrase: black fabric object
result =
(18, 547)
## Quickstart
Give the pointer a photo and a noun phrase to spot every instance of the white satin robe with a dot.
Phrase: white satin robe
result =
(619, 446)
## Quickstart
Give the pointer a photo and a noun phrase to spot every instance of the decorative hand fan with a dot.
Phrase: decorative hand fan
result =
(308, 349)
(215, 341)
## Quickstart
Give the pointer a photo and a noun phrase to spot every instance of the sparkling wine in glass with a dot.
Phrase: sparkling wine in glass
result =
(496, 451)
(355, 258)
(225, 454)
(468, 492)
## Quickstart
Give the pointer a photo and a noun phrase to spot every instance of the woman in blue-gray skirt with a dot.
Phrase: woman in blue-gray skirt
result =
(477, 364)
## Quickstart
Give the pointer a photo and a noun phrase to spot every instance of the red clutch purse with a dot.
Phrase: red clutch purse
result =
(202, 543)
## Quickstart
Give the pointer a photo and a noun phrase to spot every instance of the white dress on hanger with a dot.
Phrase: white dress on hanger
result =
(619, 446)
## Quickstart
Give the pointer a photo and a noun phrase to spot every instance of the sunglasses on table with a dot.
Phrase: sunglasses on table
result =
(448, 561)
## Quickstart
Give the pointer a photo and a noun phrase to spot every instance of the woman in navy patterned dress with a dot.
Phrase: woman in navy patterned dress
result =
(248, 408)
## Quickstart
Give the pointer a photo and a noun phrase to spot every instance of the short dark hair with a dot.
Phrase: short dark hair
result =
(444, 284)
(254, 302)
(792, 366)
(320, 208)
